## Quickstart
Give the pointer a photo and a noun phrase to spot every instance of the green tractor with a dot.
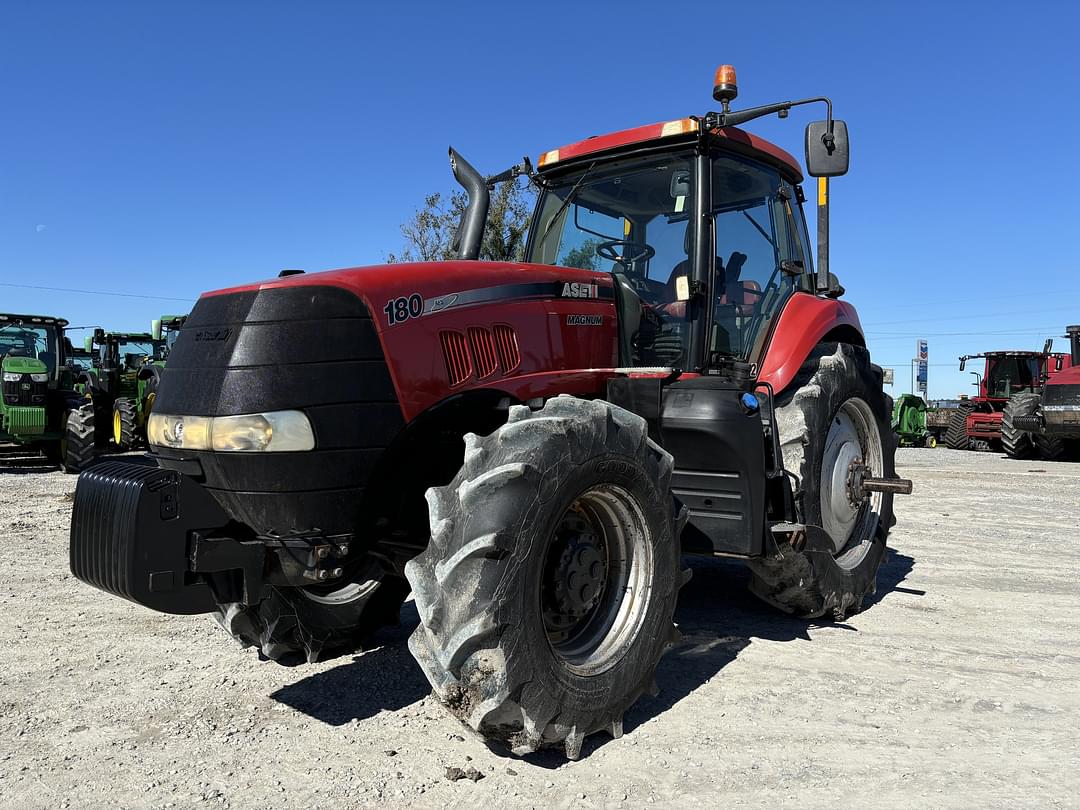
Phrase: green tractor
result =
(122, 384)
(124, 378)
(39, 408)
(909, 422)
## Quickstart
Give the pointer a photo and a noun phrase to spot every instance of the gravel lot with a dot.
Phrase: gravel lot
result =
(956, 687)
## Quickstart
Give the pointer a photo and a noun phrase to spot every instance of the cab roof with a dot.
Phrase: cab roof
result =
(673, 132)
(48, 320)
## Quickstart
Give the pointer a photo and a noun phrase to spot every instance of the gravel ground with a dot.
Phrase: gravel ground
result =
(956, 687)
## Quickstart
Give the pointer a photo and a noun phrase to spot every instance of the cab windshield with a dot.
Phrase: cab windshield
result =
(24, 340)
(632, 219)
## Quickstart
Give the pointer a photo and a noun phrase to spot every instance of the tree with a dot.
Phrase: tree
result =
(429, 235)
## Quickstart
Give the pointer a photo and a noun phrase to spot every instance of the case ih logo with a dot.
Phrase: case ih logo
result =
(213, 334)
(580, 290)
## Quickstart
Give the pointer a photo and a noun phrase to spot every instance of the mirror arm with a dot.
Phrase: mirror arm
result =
(717, 120)
(514, 172)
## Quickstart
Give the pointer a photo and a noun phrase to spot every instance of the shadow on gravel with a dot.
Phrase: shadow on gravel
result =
(383, 677)
(717, 615)
(25, 465)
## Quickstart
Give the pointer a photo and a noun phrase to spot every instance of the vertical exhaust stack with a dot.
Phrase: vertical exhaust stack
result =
(471, 230)
(1073, 334)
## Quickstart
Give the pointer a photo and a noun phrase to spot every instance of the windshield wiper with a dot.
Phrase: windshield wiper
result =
(565, 203)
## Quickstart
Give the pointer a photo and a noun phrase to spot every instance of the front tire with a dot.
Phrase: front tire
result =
(1017, 443)
(123, 423)
(956, 435)
(79, 444)
(296, 625)
(547, 592)
(833, 416)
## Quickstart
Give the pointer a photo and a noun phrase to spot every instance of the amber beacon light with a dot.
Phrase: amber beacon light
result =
(725, 88)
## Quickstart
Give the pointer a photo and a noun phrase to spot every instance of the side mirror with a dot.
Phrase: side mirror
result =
(1058, 363)
(963, 362)
(826, 156)
(680, 184)
(155, 329)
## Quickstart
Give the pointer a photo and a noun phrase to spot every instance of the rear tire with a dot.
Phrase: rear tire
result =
(1051, 448)
(956, 435)
(123, 423)
(1018, 443)
(296, 625)
(547, 592)
(834, 413)
(79, 447)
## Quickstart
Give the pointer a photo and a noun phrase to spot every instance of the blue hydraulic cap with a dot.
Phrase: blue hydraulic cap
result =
(749, 402)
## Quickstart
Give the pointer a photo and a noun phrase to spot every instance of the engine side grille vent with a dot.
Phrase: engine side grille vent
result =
(456, 354)
(483, 351)
(507, 346)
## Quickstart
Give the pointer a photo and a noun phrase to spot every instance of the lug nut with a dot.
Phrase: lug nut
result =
(321, 552)
(338, 572)
(343, 549)
(322, 574)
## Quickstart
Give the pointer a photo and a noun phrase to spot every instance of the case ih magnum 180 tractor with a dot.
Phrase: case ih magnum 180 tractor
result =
(976, 424)
(528, 446)
(1047, 421)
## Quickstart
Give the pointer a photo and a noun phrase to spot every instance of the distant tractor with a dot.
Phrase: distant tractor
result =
(122, 383)
(909, 422)
(38, 408)
(976, 424)
(1047, 422)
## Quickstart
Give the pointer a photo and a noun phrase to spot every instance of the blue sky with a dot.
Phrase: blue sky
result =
(162, 149)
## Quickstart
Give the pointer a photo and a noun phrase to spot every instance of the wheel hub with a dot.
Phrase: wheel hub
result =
(579, 575)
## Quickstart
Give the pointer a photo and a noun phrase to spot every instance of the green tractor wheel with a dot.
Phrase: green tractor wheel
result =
(77, 448)
(123, 423)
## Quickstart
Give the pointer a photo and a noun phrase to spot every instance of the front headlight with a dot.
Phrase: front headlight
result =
(12, 376)
(275, 431)
(39, 377)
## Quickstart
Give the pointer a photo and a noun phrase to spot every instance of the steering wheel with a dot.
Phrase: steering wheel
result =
(606, 250)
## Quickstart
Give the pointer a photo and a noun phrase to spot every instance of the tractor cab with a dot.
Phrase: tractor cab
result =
(119, 356)
(636, 217)
(700, 225)
(1006, 373)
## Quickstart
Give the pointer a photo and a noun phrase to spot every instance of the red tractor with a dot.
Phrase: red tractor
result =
(977, 423)
(1047, 422)
(529, 447)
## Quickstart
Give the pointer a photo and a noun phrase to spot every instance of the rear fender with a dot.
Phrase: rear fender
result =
(805, 322)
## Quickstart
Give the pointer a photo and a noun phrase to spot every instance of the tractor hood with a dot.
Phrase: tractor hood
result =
(396, 293)
(15, 364)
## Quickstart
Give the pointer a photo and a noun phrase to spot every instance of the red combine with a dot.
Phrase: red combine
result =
(1047, 422)
(529, 447)
(976, 424)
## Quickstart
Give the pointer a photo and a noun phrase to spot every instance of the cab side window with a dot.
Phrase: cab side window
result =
(756, 227)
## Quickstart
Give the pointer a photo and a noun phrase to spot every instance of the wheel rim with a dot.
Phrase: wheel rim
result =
(342, 595)
(364, 578)
(850, 520)
(117, 427)
(595, 590)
